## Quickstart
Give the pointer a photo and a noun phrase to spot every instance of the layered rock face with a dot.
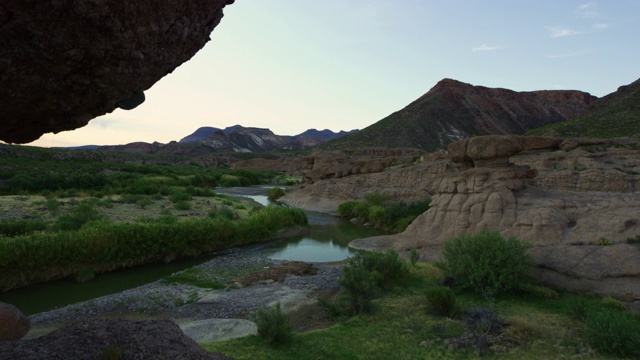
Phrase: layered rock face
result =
(62, 63)
(563, 202)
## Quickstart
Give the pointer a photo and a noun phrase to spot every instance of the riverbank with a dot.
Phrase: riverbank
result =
(187, 304)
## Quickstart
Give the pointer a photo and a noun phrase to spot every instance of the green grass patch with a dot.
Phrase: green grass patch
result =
(193, 276)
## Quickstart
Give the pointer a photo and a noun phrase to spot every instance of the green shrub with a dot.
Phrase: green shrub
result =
(182, 205)
(441, 301)
(179, 196)
(76, 218)
(375, 198)
(11, 228)
(274, 326)
(612, 303)
(539, 291)
(579, 309)
(485, 262)
(364, 277)
(52, 205)
(376, 213)
(346, 209)
(361, 211)
(604, 242)
(230, 181)
(275, 193)
(614, 333)
(144, 202)
(414, 257)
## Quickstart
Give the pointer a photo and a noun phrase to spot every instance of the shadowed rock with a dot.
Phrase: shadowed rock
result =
(63, 63)
(13, 323)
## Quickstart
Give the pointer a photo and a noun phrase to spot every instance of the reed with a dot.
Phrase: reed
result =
(103, 245)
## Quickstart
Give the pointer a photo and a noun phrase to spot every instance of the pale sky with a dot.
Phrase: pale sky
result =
(291, 65)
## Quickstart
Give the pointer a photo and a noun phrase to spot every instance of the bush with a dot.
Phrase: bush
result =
(11, 228)
(78, 216)
(179, 196)
(414, 257)
(182, 205)
(364, 277)
(273, 325)
(485, 262)
(275, 193)
(375, 198)
(346, 209)
(614, 333)
(441, 300)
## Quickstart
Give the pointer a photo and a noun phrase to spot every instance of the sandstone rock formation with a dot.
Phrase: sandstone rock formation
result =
(15, 324)
(63, 63)
(109, 339)
(563, 202)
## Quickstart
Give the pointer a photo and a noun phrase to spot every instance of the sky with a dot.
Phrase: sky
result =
(292, 65)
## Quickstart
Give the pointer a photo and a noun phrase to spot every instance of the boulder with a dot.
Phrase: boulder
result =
(15, 324)
(63, 63)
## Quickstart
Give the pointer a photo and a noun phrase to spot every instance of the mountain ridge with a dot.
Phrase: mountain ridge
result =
(453, 110)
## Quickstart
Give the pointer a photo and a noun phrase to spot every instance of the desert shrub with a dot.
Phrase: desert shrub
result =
(579, 309)
(131, 198)
(376, 213)
(230, 181)
(179, 195)
(614, 333)
(414, 257)
(275, 193)
(612, 303)
(144, 202)
(485, 262)
(224, 212)
(604, 242)
(76, 218)
(364, 277)
(274, 326)
(182, 205)
(441, 301)
(538, 290)
(346, 209)
(361, 211)
(52, 205)
(375, 198)
(11, 228)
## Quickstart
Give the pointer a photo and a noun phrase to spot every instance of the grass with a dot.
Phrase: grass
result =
(195, 277)
(401, 327)
(103, 245)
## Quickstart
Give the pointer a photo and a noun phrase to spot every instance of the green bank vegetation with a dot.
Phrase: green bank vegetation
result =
(423, 314)
(382, 214)
(68, 214)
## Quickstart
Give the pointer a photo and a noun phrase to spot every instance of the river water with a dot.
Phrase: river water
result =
(327, 241)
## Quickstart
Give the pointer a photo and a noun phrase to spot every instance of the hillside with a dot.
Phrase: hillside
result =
(453, 110)
(615, 115)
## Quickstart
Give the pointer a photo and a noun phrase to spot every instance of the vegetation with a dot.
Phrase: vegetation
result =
(275, 193)
(273, 325)
(392, 217)
(441, 301)
(195, 277)
(363, 278)
(102, 245)
(485, 262)
(403, 326)
(615, 115)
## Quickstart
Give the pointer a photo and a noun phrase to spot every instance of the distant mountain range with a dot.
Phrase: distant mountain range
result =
(453, 110)
(235, 138)
(450, 111)
(614, 115)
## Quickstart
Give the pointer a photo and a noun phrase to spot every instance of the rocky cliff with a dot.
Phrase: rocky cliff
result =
(614, 115)
(576, 202)
(453, 110)
(62, 63)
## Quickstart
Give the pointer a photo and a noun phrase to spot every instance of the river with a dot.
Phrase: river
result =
(327, 241)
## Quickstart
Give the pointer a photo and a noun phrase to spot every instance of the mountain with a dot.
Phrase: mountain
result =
(207, 131)
(453, 110)
(614, 115)
(324, 135)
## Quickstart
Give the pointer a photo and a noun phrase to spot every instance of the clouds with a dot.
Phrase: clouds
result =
(560, 31)
(485, 47)
(584, 11)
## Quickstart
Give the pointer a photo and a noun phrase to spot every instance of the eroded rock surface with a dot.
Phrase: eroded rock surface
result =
(62, 63)
(563, 202)
(112, 339)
